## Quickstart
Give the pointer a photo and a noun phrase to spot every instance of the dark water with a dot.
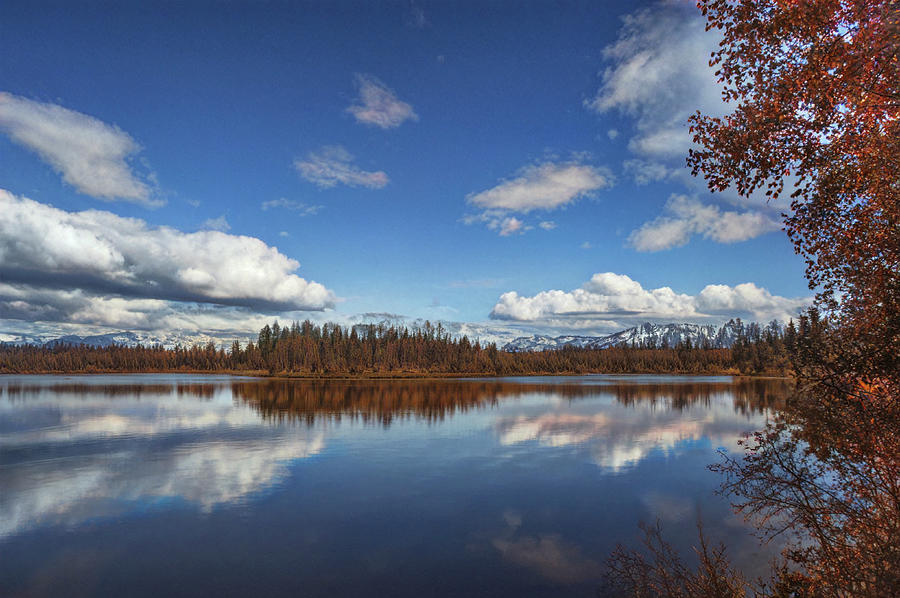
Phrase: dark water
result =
(189, 485)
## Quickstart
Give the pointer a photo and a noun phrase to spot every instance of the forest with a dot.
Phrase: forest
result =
(308, 350)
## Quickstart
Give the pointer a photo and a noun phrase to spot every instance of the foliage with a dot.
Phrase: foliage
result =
(817, 92)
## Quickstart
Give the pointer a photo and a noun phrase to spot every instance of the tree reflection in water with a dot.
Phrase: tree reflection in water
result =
(822, 475)
(826, 471)
(385, 401)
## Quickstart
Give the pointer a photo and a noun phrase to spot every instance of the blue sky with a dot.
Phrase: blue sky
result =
(515, 168)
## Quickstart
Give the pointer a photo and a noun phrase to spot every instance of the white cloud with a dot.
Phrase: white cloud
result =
(543, 187)
(219, 224)
(91, 155)
(688, 216)
(659, 74)
(378, 105)
(546, 186)
(644, 172)
(616, 295)
(303, 209)
(500, 221)
(50, 313)
(333, 165)
(586, 245)
(723, 299)
(100, 253)
(510, 225)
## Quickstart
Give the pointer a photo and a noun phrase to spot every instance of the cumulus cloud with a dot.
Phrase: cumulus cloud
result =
(616, 295)
(543, 187)
(54, 312)
(687, 216)
(378, 105)
(747, 297)
(546, 186)
(100, 253)
(31, 303)
(333, 165)
(659, 74)
(91, 155)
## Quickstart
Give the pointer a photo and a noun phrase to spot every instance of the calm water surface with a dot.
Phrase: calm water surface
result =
(170, 485)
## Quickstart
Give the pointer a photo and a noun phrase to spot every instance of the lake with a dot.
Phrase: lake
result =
(147, 485)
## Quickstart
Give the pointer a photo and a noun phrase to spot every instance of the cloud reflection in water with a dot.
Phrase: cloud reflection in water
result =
(619, 432)
(72, 454)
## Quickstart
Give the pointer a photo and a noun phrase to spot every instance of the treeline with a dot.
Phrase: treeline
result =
(306, 349)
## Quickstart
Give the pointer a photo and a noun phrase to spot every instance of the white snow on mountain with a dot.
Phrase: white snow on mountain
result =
(645, 335)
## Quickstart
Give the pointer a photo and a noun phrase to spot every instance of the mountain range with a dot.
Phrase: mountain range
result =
(645, 335)
(123, 338)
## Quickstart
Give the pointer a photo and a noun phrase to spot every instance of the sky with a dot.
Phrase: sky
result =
(505, 168)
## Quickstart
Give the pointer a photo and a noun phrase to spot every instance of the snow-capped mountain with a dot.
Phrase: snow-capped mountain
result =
(97, 340)
(657, 335)
(540, 342)
(645, 335)
(17, 339)
(126, 338)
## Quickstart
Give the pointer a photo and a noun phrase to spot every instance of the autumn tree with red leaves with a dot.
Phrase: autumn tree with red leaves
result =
(815, 86)
(815, 90)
